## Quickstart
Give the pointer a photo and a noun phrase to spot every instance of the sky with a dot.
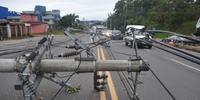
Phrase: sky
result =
(86, 9)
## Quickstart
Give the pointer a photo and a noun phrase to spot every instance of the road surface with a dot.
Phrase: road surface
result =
(180, 76)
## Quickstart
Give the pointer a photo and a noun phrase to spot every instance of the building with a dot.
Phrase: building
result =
(27, 23)
(49, 17)
(36, 27)
(10, 24)
(5, 13)
(56, 14)
(40, 11)
(9, 29)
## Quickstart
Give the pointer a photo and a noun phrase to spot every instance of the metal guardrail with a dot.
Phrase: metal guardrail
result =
(174, 48)
(177, 34)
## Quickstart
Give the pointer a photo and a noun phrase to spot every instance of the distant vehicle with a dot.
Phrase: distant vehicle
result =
(107, 33)
(137, 30)
(113, 34)
(116, 35)
(198, 28)
(198, 24)
(98, 29)
(176, 39)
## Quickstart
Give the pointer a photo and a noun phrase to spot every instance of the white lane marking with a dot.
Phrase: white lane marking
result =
(185, 65)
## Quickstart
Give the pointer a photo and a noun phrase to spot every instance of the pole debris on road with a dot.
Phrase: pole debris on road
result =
(69, 65)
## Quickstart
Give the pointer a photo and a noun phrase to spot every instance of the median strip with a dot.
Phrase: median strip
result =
(102, 93)
(109, 79)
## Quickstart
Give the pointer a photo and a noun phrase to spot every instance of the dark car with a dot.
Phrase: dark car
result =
(116, 35)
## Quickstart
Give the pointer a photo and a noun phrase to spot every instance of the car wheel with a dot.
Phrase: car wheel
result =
(131, 44)
(139, 46)
(149, 47)
(126, 43)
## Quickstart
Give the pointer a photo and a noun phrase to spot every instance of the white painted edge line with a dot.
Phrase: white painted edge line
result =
(185, 65)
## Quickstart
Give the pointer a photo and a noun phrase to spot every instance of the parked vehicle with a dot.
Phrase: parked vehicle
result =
(143, 38)
(107, 33)
(113, 34)
(176, 39)
(197, 29)
(198, 24)
(98, 29)
(116, 35)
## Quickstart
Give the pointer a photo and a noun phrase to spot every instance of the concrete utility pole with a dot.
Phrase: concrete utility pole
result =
(63, 65)
(8, 30)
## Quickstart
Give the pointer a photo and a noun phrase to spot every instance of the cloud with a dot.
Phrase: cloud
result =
(88, 9)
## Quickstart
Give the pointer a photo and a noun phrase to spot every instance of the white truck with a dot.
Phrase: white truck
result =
(137, 31)
(198, 28)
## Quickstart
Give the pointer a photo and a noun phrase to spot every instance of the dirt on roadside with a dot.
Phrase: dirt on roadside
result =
(189, 47)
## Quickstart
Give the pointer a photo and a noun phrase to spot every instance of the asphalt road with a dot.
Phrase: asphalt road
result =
(180, 76)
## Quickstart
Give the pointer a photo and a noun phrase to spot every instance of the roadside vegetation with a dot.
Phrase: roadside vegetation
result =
(161, 35)
(56, 32)
(174, 15)
(69, 21)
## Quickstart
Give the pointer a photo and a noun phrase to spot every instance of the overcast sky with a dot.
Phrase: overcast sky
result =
(87, 9)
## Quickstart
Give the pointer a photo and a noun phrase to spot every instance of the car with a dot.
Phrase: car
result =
(143, 39)
(116, 35)
(176, 39)
(107, 33)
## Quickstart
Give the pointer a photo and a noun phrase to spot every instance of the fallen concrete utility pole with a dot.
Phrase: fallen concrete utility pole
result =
(63, 65)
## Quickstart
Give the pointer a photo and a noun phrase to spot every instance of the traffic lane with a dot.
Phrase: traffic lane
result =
(109, 92)
(8, 80)
(19, 42)
(183, 80)
(82, 80)
(47, 88)
(149, 88)
(120, 89)
(146, 52)
(7, 91)
(28, 43)
(180, 80)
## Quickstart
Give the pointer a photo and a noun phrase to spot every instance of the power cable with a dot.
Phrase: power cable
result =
(122, 53)
(75, 71)
(176, 49)
(163, 85)
(121, 77)
(154, 74)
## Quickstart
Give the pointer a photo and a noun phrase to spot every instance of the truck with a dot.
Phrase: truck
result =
(198, 28)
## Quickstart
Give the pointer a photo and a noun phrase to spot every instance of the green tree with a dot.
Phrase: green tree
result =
(175, 15)
(69, 20)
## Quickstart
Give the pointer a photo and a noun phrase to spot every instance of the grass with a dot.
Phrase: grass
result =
(61, 32)
(161, 35)
(56, 32)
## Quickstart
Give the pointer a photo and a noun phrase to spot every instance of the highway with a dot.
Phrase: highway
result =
(180, 76)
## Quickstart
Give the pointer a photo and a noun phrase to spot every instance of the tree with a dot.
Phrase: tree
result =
(69, 20)
(175, 15)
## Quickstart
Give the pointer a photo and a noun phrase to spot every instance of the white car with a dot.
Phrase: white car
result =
(136, 30)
